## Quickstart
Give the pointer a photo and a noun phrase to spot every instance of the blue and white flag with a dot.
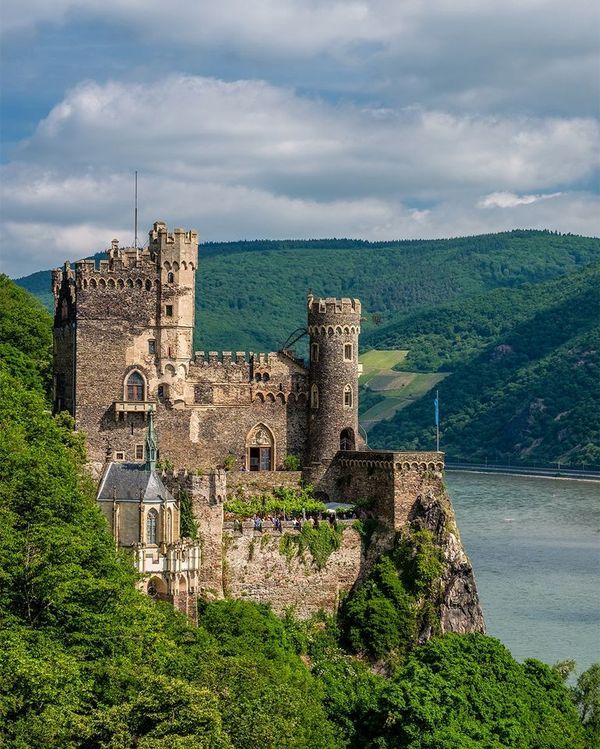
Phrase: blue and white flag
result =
(436, 406)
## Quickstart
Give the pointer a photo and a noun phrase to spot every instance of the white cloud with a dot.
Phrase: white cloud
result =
(249, 159)
(531, 54)
(510, 200)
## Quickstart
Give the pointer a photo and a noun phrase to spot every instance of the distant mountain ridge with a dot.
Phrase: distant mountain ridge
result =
(525, 368)
(251, 295)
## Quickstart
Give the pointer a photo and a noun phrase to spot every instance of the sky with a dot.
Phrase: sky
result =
(378, 119)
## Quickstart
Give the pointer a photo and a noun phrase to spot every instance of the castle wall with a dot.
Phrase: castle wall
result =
(207, 493)
(248, 484)
(257, 571)
(391, 480)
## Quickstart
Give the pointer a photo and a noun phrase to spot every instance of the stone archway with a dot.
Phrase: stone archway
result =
(260, 449)
(347, 439)
(157, 588)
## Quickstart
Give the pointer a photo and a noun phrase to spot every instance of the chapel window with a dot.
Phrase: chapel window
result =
(151, 527)
(135, 387)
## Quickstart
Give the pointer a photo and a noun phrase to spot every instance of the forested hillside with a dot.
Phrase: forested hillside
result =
(89, 662)
(251, 295)
(525, 366)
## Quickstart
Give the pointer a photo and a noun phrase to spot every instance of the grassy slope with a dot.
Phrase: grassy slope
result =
(525, 368)
(384, 391)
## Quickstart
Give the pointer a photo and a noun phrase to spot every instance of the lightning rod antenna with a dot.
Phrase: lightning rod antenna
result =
(135, 214)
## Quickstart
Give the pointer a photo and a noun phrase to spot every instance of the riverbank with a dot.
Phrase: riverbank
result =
(553, 473)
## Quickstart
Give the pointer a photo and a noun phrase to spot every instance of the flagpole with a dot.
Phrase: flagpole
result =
(437, 421)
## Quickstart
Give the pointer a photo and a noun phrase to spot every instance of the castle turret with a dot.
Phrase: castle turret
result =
(334, 327)
(177, 257)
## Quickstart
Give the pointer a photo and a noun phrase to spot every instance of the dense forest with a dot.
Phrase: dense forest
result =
(251, 295)
(88, 661)
(525, 367)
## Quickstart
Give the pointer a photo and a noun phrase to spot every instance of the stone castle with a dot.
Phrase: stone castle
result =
(125, 368)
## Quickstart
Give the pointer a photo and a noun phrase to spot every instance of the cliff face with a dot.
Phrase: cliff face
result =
(459, 607)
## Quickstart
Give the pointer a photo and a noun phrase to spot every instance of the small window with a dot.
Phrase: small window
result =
(314, 397)
(258, 377)
(135, 387)
(169, 310)
(266, 377)
(161, 391)
(151, 527)
(120, 455)
(347, 352)
(314, 353)
(170, 277)
(348, 396)
(151, 347)
(139, 452)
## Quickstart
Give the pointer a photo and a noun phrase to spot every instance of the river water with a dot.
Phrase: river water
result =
(535, 548)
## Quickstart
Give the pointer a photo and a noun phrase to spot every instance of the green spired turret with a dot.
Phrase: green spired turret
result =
(151, 444)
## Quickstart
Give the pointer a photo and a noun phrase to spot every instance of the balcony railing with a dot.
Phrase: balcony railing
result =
(134, 406)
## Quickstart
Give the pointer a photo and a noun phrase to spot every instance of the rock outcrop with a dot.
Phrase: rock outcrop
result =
(459, 606)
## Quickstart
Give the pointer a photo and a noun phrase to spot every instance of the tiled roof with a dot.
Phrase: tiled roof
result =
(125, 481)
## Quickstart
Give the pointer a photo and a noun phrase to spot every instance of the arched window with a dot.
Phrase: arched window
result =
(169, 528)
(260, 449)
(348, 396)
(170, 277)
(347, 441)
(151, 527)
(135, 387)
(258, 377)
(314, 397)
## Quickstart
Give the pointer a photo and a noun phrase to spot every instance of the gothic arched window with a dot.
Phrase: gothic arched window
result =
(170, 277)
(135, 387)
(151, 527)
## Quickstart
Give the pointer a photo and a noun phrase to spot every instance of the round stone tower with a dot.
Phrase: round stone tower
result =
(334, 327)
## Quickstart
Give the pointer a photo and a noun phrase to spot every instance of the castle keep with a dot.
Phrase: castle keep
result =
(125, 368)
(123, 345)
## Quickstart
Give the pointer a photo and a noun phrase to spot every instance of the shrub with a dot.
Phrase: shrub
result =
(291, 463)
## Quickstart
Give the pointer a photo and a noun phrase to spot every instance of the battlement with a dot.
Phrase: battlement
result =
(332, 306)
(392, 461)
(159, 239)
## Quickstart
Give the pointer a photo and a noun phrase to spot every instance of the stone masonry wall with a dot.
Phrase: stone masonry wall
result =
(257, 571)
(206, 493)
(247, 484)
